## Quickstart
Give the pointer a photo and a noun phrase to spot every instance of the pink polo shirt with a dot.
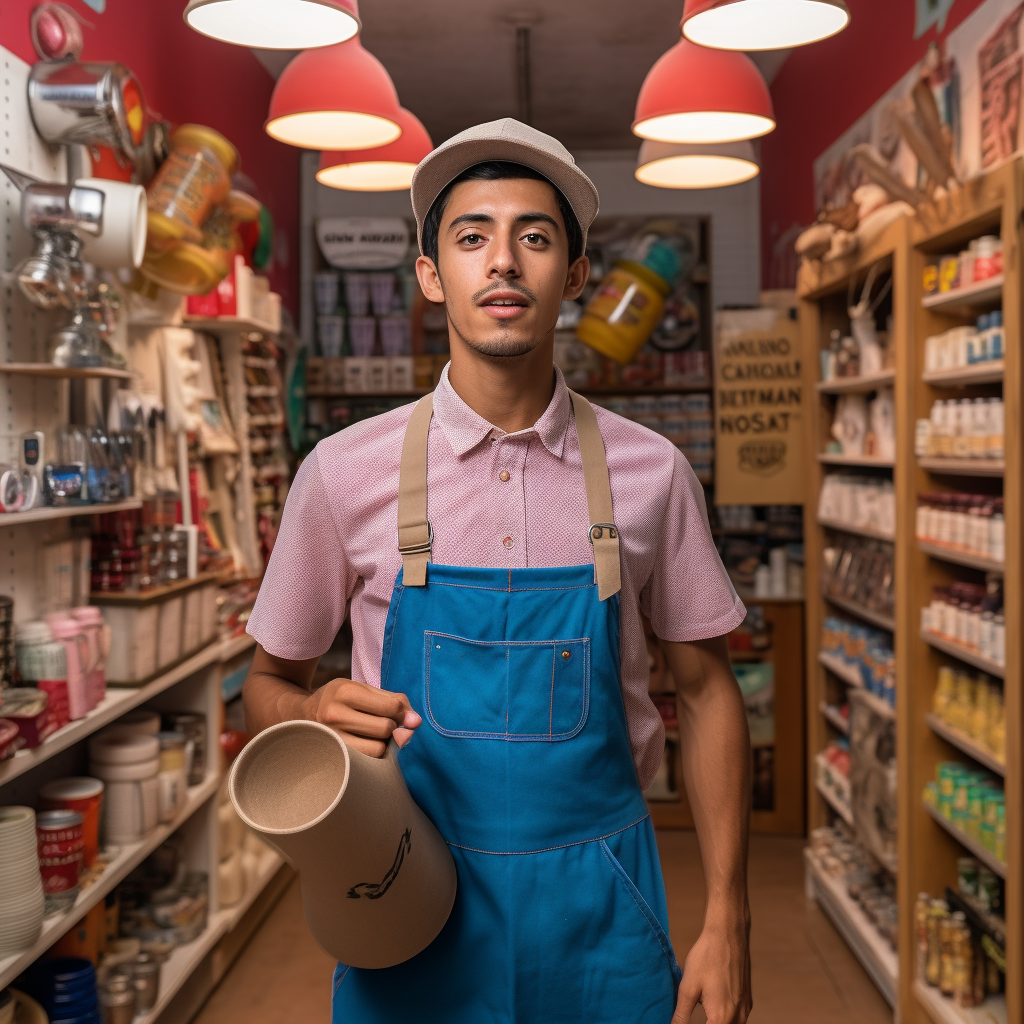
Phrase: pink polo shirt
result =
(495, 500)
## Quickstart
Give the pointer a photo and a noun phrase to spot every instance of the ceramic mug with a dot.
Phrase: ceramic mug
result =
(122, 241)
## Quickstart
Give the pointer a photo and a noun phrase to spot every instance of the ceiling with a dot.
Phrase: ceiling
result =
(457, 66)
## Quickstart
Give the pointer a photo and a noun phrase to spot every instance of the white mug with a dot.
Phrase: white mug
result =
(122, 241)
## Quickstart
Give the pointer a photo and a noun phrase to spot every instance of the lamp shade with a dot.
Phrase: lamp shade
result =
(694, 94)
(383, 169)
(668, 165)
(334, 97)
(762, 24)
(275, 24)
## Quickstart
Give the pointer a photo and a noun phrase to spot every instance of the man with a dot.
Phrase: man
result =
(508, 660)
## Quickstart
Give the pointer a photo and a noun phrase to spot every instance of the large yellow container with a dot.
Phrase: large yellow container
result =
(624, 311)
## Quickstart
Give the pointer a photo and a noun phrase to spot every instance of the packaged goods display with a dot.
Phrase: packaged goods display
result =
(865, 428)
(971, 345)
(866, 349)
(971, 523)
(866, 650)
(860, 571)
(832, 774)
(980, 261)
(858, 502)
(968, 428)
(969, 615)
(840, 856)
(973, 703)
(972, 801)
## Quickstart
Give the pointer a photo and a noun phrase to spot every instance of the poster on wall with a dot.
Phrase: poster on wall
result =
(759, 423)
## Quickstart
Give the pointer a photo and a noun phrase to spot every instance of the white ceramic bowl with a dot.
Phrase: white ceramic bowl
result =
(122, 748)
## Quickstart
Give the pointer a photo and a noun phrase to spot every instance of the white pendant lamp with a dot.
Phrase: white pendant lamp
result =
(762, 24)
(666, 165)
(275, 24)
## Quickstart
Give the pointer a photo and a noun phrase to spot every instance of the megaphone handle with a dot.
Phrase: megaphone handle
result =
(391, 753)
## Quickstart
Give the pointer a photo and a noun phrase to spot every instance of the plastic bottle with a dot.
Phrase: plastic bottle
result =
(995, 428)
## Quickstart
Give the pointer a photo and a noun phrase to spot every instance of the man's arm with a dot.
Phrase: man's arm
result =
(278, 690)
(715, 744)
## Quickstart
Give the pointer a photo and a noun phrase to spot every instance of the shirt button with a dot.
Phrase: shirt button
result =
(503, 476)
(509, 543)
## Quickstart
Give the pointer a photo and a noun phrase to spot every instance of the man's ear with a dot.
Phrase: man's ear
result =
(429, 279)
(576, 280)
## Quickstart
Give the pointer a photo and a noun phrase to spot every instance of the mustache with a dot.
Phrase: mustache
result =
(510, 286)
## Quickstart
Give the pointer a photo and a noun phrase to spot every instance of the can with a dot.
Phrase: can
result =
(60, 847)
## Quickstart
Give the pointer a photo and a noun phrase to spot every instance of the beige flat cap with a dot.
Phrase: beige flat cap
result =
(507, 139)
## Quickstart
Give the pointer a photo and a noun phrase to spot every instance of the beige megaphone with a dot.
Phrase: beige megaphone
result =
(378, 881)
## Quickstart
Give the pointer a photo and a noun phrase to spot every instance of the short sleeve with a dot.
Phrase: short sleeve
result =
(302, 600)
(689, 595)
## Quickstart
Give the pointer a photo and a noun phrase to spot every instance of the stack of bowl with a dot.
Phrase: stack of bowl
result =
(21, 886)
(128, 764)
(67, 990)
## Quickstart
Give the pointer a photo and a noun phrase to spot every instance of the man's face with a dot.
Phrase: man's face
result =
(503, 265)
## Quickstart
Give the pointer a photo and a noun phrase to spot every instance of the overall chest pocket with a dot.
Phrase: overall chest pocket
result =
(507, 690)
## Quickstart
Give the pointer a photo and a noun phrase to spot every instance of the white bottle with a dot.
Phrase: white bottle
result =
(997, 537)
(979, 428)
(995, 428)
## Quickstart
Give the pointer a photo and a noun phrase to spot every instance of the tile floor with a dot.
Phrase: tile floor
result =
(803, 972)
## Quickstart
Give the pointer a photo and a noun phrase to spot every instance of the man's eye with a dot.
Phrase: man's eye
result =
(472, 238)
(534, 239)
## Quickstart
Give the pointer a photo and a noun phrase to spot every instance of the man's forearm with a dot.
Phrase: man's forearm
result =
(277, 691)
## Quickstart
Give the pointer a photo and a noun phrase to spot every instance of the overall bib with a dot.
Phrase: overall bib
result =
(523, 763)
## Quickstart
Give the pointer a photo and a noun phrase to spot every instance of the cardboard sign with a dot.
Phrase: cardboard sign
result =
(759, 422)
(363, 243)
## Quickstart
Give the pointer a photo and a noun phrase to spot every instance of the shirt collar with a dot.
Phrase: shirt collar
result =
(465, 429)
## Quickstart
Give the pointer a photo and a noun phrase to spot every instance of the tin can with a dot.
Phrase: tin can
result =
(60, 846)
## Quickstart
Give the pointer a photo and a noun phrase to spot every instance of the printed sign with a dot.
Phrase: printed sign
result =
(363, 243)
(759, 424)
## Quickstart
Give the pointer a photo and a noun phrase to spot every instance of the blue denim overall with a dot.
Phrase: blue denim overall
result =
(523, 763)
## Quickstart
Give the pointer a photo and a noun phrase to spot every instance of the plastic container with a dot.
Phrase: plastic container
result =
(97, 634)
(133, 652)
(61, 846)
(173, 776)
(85, 796)
(68, 631)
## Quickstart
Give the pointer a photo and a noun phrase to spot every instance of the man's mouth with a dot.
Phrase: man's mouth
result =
(504, 305)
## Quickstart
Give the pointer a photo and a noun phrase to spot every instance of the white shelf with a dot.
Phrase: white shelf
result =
(848, 385)
(831, 459)
(981, 293)
(38, 515)
(985, 856)
(962, 467)
(223, 324)
(66, 372)
(966, 743)
(846, 673)
(873, 952)
(837, 805)
(993, 668)
(270, 863)
(948, 554)
(860, 531)
(988, 372)
(875, 618)
(127, 859)
(832, 715)
(945, 1011)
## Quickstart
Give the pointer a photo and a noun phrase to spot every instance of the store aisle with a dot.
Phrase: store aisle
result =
(803, 972)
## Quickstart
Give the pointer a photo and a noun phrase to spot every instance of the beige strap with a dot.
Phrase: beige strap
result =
(604, 537)
(414, 533)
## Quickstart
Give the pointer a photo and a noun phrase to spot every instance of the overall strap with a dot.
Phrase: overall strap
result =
(604, 537)
(415, 535)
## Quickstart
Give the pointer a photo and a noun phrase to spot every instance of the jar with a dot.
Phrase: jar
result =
(85, 797)
(195, 177)
(173, 777)
(999, 638)
(97, 633)
(997, 532)
(117, 997)
(944, 692)
(60, 841)
(193, 725)
(42, 662)
(979, 429)
(963, 418)
(961, 522)
(988, 257)
(68, 631)
(146, 971)
(994, 448)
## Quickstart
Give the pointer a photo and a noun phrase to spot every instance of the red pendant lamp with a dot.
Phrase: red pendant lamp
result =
(762, 24)
(694, 94)
(335, 97)
(275, 24)
(668, 165)
(383, 169)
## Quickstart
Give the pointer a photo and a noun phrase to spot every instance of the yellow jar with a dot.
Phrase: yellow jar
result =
(624, 311)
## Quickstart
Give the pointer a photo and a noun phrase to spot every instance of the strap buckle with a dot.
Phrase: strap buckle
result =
(596, 532)
(420, 548)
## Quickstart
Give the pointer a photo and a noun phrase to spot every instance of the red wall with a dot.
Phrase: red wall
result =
(188, 77)
(820, 91)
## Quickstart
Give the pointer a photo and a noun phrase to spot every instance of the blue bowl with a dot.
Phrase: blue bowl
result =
(67, 970)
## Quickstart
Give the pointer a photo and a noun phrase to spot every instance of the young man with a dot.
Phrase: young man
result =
(526, 531)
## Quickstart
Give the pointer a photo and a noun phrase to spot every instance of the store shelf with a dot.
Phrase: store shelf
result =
(875, 618)
(127, 859)
(962, 467)
(860, 531)
(270, 863)
(945, 1011)
(221, 324)
(856, 385)
(830, 459)
(976, 849)
(881, 707)
(981, 293)
(66, 372)
(832, 715)
(847, 673)
(966, 743)
(153, 594)
(38, 515)
(873, 952)
(837, 804)
(947, 554)
(940, 643)
(235, 646)
(989, 372)
(116, 703)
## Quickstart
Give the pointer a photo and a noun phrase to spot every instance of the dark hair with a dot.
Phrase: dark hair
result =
(498, 170)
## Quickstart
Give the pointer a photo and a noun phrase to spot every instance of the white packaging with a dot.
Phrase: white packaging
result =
(356, 373)
(209, 615)
(377, 374)
(168, 631)
(133, 646)
(777, 562)
(191, 617)
(400, 373)
(995, 428)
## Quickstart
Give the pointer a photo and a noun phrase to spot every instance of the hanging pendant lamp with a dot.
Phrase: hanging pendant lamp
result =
(275, 24)
(694, 94)
(335, 97)
(762, 24)
(383, 169)
(666, 165)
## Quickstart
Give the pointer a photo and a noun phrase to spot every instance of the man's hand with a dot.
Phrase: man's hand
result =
(717, 975)
(365, 717)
